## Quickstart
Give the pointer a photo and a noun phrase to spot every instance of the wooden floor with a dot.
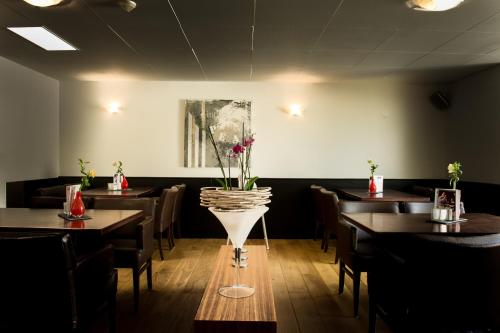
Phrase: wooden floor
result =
(305, 285)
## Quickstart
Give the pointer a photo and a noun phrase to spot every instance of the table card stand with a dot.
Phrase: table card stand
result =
(446, 206)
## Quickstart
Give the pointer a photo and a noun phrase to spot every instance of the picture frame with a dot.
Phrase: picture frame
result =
(446, 198)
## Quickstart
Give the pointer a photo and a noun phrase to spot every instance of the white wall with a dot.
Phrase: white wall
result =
(342, 126)
(476, 124)
(29, 125)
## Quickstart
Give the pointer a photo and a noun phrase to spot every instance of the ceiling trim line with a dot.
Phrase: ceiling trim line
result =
(187, 40)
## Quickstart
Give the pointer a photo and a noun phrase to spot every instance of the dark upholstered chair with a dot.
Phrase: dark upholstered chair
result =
(330, 203)
(164, 216)
(134, 242)
(356, 251)
(45, 288)
(437, 283)
(318, 210)
(177, 218)
(418, 207)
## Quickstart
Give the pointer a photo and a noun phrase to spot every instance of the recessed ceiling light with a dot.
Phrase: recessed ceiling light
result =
(43, 37)
(43, 3)
(433, 5)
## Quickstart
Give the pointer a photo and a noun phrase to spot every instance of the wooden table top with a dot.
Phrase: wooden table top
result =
(131, 192)
(102, 221)
(387, 196)
(378, 224)
(256, 313)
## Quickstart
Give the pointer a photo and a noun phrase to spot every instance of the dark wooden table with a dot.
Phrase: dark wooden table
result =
(101, 223)
(382, 224)
(256, 313)
(386, 196)
(130, 193)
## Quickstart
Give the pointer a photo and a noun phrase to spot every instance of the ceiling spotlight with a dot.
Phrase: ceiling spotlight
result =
(127, 5)
(433, 5)
(43, 3)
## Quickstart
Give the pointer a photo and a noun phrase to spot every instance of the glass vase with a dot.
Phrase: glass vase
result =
(77, 206)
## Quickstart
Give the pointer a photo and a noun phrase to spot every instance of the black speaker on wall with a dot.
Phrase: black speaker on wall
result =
(440, 100)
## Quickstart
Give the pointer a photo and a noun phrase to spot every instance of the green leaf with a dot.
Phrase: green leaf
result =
(250, 183)
(221, 183)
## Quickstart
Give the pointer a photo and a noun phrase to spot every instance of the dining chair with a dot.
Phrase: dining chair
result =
(330, 202)
(317, 215)
(356, 251)
(426, 288)
(163, 218)
(44, 287)
(134, 242)
(418, 207)
(177, 219)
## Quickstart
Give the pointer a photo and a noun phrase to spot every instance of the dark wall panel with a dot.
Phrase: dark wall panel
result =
(290, 210)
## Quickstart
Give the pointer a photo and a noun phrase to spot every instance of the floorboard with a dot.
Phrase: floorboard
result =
(305, 287)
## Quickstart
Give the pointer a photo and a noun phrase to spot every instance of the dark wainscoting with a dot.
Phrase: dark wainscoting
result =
(290, 210)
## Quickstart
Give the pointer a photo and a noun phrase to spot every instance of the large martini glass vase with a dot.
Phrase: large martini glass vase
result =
(238, 225)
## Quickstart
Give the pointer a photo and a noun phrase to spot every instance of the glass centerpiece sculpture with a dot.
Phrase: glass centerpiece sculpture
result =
(237, 208)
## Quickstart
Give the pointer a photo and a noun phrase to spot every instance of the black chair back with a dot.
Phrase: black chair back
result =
(165, 210)
(330, 203)
(368, 207)
(418, 207)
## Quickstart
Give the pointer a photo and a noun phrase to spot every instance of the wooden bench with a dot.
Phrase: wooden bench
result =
(256, 313)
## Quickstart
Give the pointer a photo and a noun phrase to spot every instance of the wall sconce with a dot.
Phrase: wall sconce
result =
(295, 110)
(114, 108)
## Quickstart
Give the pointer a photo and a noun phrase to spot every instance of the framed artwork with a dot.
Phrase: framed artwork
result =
(226, 119)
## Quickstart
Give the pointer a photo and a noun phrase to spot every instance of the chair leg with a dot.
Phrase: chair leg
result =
(112, 313)
(265, 232)
(171, 235)
(356, 282)
(336, 253)
(316, 230)
(150, 274)
(372, 311)
(326, 238)
(159, 237)
(170, 246)
(136, 282)
(341, 276)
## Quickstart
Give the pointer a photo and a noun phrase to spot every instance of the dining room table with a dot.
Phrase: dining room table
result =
(135, 192)
(88, 233)
(387, 195)
(387, 224)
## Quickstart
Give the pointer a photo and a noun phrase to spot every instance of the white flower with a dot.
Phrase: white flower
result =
(451, 168)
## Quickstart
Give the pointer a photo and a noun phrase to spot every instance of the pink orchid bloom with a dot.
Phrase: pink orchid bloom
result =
(248, 142)
(238, 149)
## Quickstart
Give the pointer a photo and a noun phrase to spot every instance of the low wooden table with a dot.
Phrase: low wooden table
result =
(256, 313)
(386, 196)
(135, 192)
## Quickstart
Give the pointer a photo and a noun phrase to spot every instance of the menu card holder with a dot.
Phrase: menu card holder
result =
(446, 205)
(70, 196)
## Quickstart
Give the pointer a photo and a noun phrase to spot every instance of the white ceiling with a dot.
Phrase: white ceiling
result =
(303, 40)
